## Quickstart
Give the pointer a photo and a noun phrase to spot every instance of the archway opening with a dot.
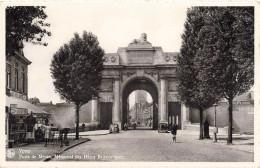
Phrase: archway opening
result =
(140, 110)
(140, 104)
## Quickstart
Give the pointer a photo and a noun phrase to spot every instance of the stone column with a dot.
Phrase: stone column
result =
(94, 111)
(116, 111)
(163, 102)
(185, 116)
(184, 113)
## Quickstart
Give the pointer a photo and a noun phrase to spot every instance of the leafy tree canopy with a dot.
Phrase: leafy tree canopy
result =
(228, 49)
(217, 56)
(25, 23)
(193, 89)
(76, 68)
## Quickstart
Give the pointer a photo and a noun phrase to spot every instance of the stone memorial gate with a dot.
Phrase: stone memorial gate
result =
(140, 66)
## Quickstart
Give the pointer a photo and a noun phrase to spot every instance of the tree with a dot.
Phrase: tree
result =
(76, 69)
(194, 90)
(228, 50)
(34, 100)
(25, 23)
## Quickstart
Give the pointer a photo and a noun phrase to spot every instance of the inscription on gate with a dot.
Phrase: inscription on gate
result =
(140, 57)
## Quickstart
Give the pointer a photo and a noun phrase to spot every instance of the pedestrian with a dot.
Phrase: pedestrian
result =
(125, 126)
(99, 126)
(174, 132)
(134, 125)
(83, 127)
(52, 133)
(46, 133)
(38, 135)
(151, 122)
(206, 130)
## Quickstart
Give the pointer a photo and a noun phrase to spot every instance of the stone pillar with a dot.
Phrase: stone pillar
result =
(184, 113)
(185, 116)
(163, 108)
(116, 110)
(94, 111)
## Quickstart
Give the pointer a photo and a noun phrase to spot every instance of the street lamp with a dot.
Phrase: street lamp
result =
(215, 123)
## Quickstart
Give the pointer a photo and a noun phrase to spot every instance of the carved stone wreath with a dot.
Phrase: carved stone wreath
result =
(105, 59)
(167, 58)
(174, 58)
(113, 59)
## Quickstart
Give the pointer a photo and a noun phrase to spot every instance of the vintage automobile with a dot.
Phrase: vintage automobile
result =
(163, 128)
(132, 124)
(113, 128)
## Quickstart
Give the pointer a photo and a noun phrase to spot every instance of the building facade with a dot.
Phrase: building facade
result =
(18, 108)
(17, 75)
(140, 96)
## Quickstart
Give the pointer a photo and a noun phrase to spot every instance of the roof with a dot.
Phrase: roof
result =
(248, 96)
(111, 54)
(24, 104)
(171, 53)
(44, 104)
(23, 58)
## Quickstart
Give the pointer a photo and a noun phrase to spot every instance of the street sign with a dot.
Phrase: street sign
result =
(13, 110)
(19, 111)
(13, 105)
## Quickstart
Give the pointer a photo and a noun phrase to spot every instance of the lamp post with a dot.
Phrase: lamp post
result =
(215, 123)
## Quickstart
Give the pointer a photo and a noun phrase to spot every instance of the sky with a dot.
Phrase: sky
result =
(115, 25)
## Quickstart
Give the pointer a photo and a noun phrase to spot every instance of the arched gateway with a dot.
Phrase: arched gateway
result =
(140, 66)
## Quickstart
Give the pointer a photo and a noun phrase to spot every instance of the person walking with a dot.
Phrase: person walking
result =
(52, 133)
(83, 127)
(46, 133)
(38, 135)
(125, 126)
(174, 132)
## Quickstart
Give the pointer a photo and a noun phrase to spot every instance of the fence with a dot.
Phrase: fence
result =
(66, 136)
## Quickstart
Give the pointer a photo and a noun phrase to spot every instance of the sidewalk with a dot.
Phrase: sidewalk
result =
(91, 133)
(37, 151)
(240, 142)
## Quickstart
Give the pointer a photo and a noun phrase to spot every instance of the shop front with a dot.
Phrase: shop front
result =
(22, 119)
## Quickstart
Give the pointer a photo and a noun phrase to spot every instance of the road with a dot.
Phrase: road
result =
(148, 146)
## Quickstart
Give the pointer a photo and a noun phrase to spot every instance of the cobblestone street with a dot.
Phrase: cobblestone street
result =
(149, 145)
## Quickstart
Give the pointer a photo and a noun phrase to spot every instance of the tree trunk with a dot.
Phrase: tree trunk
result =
(230, 119)
(201, 124)
(77, 122)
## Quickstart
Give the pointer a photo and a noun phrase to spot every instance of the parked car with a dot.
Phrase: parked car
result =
(113, 128)
(163, 128)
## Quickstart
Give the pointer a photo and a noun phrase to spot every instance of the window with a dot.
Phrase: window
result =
(16, 79)
(23, 81)
(8, 75)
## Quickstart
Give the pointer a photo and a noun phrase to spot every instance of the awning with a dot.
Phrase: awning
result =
(22, 104)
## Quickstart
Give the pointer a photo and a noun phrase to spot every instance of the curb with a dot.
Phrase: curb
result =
(95, 134)
(21, 145)
(58, 153)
